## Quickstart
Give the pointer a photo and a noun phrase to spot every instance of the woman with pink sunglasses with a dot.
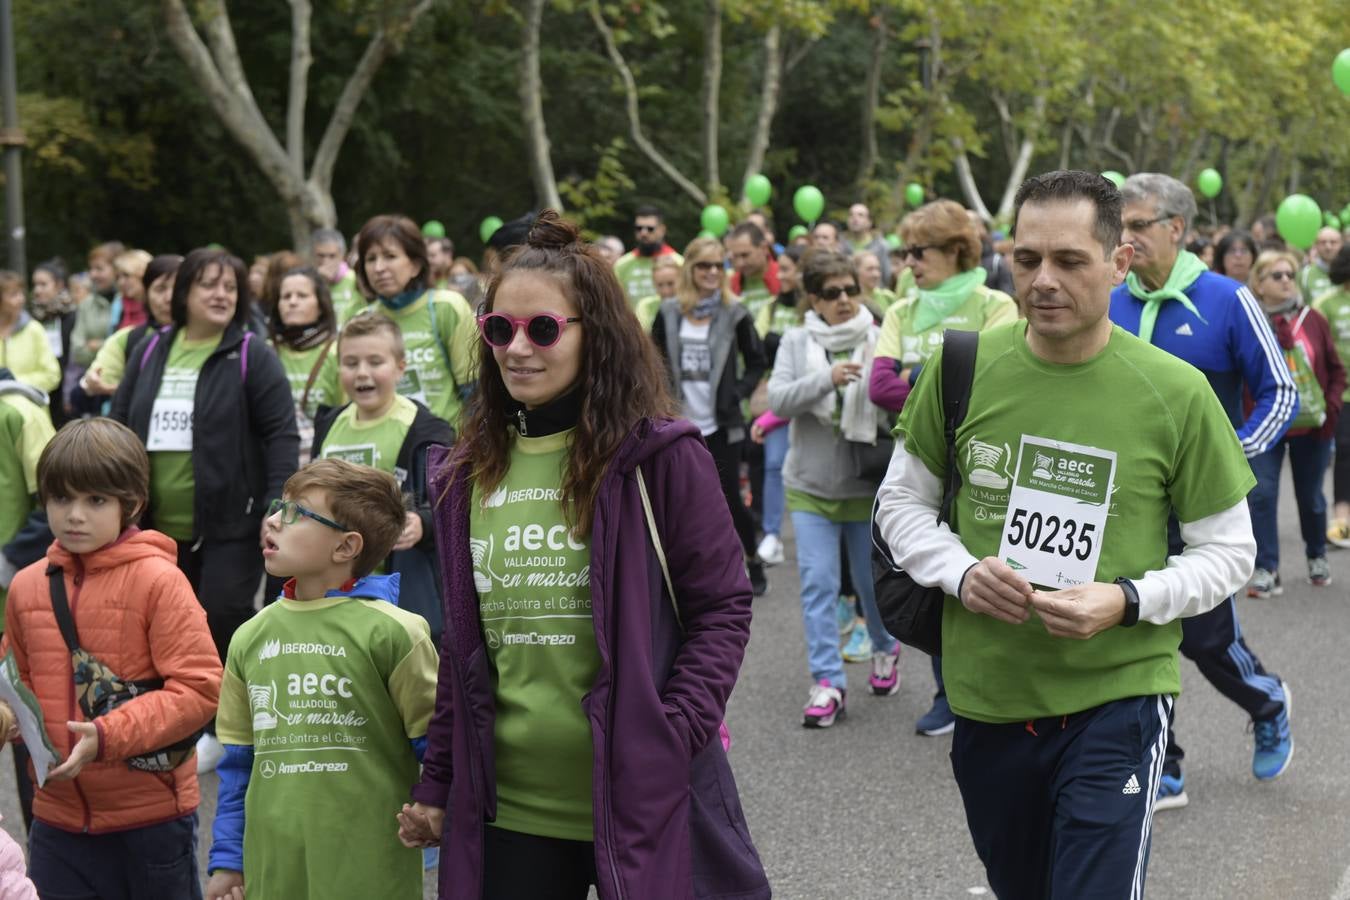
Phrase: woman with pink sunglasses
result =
(596, 612)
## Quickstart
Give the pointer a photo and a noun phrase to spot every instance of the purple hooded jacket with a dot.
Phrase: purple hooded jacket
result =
(668, 821)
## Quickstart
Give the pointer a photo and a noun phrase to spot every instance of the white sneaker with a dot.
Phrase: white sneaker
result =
(770, 550)
(210, 752)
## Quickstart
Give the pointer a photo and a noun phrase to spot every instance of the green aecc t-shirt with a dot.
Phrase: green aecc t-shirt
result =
(373, 442)
(1175, 450)
(328, 693)
(534, 598)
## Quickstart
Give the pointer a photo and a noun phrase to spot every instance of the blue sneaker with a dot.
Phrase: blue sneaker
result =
(844, 616)
(859, 646)
(938, 720)
(1171, 793)
(1274, 744)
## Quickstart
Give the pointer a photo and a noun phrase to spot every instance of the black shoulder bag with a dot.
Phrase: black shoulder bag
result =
(913, 613)
(100, 691)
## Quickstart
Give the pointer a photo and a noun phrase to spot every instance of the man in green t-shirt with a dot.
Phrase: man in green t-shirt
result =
(634, 268)
(1313, 280)
(756, 271)
(1060, 631)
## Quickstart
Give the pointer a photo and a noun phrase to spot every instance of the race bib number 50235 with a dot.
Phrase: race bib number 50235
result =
(1057, 512)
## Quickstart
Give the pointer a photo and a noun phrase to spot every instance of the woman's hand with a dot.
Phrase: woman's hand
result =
(95, 386)
(842, 373)
(420, 825)
(412, 532)
(756, 433)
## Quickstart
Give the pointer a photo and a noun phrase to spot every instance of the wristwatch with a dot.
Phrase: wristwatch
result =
(1131, 617)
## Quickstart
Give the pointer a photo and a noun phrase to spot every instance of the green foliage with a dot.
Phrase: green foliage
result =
(601, 198)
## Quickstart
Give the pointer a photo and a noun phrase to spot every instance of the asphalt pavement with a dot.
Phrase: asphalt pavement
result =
(868, 809)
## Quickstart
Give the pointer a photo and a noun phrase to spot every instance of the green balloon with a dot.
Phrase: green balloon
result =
(796, 231)
(708, 235)
(488, 227)
(1114, 177)
(1298, 220)
(1210, 183)
(893, 241)
(809, 202)
(714, 219)
(914, 194)
(1333, 221)
(1340, 71)
(1345, 213)
(758, 190)
(433, 229)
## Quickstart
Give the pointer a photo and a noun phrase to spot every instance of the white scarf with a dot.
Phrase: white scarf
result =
(858, 418)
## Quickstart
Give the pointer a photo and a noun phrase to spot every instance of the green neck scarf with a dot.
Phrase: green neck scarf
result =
(1185, 271)
(946, 298)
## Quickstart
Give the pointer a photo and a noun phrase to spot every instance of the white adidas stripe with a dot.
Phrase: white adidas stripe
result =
(1155, 770)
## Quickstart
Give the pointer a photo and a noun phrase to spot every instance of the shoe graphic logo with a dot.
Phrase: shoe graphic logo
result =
(1131, 786)
(1185, 329)
(982, 457)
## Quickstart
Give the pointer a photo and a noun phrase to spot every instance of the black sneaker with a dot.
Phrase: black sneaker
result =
(758, 583)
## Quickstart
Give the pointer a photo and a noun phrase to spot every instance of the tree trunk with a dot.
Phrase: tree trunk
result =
(532, 109)
(871, 98)
(712, 94)
(969, 189)
(219, 74)
(768, 105)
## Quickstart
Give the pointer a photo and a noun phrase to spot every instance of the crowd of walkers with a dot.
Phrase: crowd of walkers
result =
(475, 543)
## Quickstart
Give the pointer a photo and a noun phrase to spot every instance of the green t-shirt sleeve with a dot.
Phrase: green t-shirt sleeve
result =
(1210, 473)
(459, 332)
(412, 686)
(888, 342)
(111, 360)
(233, 722)
(330, 380)
(921, 421)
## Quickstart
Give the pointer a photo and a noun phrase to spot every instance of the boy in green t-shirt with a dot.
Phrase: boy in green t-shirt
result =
(324, 704)
(383, 429)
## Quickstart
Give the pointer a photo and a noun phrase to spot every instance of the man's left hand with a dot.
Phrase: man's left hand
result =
(1080, 612)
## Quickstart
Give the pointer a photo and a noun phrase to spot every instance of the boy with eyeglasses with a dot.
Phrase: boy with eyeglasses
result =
(325, 703)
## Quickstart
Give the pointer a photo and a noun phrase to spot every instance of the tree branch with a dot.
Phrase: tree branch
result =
(382, 45)
(768, 104)
(301, 58)
(233, 106)
(634, 116)
(969, 189)
(712, 93)
(1023, 160)
(532, 108)
(871, 97)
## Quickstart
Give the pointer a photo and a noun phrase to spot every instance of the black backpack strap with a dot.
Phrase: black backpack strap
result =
(64, 620)
(958, 374)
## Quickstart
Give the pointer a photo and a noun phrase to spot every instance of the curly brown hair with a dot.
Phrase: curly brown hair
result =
(622, 382)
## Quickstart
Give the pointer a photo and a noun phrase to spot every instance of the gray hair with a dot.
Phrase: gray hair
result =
(328, 236)
(1171, 196)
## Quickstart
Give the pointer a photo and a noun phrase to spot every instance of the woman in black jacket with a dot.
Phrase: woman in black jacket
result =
(212, 404)
(715, 359)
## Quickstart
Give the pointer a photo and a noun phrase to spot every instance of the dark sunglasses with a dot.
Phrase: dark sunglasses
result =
(645, 227)
(916, 251)
(543, 330)
(292, 511)
(707, 266)
(833, 294)
(1280, 276)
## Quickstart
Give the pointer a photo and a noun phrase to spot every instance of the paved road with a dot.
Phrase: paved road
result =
(868, 809)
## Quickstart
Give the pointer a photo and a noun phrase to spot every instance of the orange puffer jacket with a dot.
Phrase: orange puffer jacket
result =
(135, 611)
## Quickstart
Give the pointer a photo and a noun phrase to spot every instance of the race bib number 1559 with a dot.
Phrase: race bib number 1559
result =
(1057, 512)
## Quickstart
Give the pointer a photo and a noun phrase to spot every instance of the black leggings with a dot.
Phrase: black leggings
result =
(528, 867)
(1340, 473)
(728, 459)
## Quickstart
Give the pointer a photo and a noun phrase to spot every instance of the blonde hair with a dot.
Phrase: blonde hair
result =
(371, 323)
(1265, 262)
(944, 224)
(132, 262)
(361, 499)
(687, 293)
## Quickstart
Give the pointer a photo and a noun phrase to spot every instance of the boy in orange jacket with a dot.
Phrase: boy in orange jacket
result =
(117, 818)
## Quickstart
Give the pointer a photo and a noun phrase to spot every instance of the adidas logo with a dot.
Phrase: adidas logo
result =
(1131, 786)
(1185, 329)
(269, 649)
